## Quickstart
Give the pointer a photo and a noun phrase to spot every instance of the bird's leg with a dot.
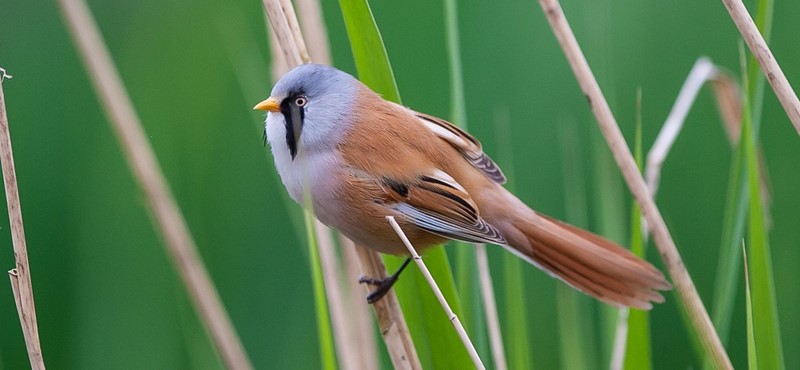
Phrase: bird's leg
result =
(383, 284)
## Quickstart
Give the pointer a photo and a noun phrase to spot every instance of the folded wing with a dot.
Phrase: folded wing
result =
(438, 204)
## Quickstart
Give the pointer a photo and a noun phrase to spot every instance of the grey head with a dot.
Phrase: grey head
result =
(310, 109)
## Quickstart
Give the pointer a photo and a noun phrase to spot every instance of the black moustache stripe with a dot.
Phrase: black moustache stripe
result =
(293, 118)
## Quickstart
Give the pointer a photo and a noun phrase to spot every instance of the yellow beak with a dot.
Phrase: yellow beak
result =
(270, 104)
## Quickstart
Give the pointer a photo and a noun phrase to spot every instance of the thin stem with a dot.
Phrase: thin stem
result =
(438, 292)
(492, 320)
(360, 317)
(313, 25)
(620, 340)
(347, 349)
(20, 275)
(283, 33)
(321, 290)
(769, 66)
(142, 159)
(663, 240)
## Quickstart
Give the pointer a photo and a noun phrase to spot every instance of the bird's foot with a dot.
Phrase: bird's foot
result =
(384, 285)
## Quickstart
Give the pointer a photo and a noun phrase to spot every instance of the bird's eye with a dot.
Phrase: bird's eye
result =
(301, 101)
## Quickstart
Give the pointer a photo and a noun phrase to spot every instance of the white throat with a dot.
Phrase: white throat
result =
(310, 170)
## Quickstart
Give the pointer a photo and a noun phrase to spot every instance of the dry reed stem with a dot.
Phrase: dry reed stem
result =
(360, 316)
(769, 66)
(346, 338)
(663, 240)
(25, 309)
(729, 104)
(142, 159)
(283, 33)
(391, 321)
(313, 25)
(462, 334)
(278, 63)
(294, 27)
(490, 306)
(20, 276)
(702, 71)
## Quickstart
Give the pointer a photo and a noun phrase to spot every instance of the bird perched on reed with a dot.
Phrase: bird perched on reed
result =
(361, 158)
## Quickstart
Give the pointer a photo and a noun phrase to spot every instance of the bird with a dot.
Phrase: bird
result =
(356, 158)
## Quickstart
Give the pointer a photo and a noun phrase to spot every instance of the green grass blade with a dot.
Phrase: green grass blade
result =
(736, 203)
(327, 351)
(755, 78)
(429, 326)
(638, 350)
(729, 258)
(752, 358)
(369, 53)
(765, 310)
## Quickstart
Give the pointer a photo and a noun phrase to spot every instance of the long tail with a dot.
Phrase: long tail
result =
(584, 260)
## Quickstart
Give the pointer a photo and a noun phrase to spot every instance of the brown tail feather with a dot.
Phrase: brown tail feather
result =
(586, 261)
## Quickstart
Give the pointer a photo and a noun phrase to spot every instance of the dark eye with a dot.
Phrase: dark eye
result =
(300, 101)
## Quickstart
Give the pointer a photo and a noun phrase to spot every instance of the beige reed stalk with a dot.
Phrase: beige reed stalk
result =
(346, 344)
(352, 328)
(360, 316)
(346, 347)
(391, 322)
(462, 334)
(142, 159)
(20, 275)
(663, 240)
(769, 66)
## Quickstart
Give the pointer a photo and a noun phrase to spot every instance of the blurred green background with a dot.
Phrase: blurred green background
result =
(108, 298)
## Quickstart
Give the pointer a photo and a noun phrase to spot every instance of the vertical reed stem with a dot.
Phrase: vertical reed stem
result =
(20, 275)
(142, 160)
(608, 125)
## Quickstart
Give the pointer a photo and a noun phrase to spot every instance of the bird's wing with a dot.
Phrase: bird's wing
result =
(469, 147)
(436, 203)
